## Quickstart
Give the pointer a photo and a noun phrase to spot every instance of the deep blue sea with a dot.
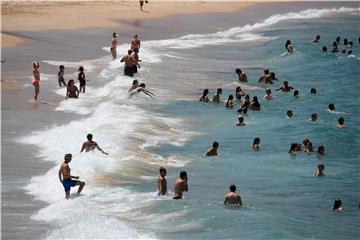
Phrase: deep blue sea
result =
(282, 198)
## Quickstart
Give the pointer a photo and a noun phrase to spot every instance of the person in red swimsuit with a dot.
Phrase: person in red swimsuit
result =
(36, 80)
(135, 43)
(113, 45)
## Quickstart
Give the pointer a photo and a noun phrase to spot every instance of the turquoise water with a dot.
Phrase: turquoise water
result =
(282, 198)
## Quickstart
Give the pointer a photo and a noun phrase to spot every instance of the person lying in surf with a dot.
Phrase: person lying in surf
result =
(135, 85)
(139, 89)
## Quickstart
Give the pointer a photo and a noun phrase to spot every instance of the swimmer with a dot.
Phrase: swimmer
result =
(263, 76)
(256, 144)
(293, 149)
(230, 102)
(319, 171)
(269, 78)
(212, 151)
(338, 40)
(129, 61)
(341, 123)
(309, 148)
(296, 93)
(321, 150)
(288, 46)
(72, 91)
(241, 121)
(137, 60)
(337, 205)
(317, 39)
(241, 74)
(285, 87)
(268, 95)
(313, 91)
(331, 108)
(90, 145)
(346, 42)
(298, 147)
(135, 43)
(113, 45)
(60, 75)
(255, 105)
(289, 114)
(239, 93)
(66, 178)
(204, 97)
(141, 88)
(181, 185)
(245, 105)
(305, 142)
(36, 80)
(134, 85)
(82, 80)
(335, 48)
(324, 49)
(216, 98)
(162, 183)
(232, 198)
(313, 117)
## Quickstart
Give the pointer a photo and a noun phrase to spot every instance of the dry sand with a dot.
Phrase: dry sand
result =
(37, 16)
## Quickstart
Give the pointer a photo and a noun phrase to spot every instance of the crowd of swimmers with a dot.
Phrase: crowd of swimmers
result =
(268, 78)
(131, 62)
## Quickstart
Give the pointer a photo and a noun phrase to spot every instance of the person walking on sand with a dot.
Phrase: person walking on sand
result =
(129, 61)
(82, 79)
(66, 178)
(36, 80)
(232, 198)
(135, 43)
(162, 183)
(90, 145)
(113, 45)
(181, 185)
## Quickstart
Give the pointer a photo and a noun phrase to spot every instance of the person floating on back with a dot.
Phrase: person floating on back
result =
(212, 151)
(66, 178)
(181, 185)
(161, 182)
(232, 198)
(60, 75)
(90, 145)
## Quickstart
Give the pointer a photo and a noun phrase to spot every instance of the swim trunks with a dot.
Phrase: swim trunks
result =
(135, 69)
(35, 82)
(177, 197)
(129, 71)
(68, 183)
(82, 82)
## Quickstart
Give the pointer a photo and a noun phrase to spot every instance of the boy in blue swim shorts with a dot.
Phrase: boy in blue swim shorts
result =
(66, 178)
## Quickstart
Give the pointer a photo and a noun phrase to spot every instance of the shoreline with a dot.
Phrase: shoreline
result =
(97, 14)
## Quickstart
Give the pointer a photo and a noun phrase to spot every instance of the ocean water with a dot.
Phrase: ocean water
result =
(282, 198)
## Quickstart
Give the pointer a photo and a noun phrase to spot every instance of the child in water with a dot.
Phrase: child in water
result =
(60, 75)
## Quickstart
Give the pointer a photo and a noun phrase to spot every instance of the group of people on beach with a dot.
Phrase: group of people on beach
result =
(268, 78)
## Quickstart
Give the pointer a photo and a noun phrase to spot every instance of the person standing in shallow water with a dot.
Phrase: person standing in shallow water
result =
(232, 198)
(181, 185)
(66, 178)
(71, 90)
(135, 43)
(129, 64)
(114, 43)
(162, 183)
(61, 73)
(82, 80)
(36, 80)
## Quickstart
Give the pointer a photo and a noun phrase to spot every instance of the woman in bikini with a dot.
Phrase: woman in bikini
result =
(72, 91)
(113, 45)
(36, 80)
